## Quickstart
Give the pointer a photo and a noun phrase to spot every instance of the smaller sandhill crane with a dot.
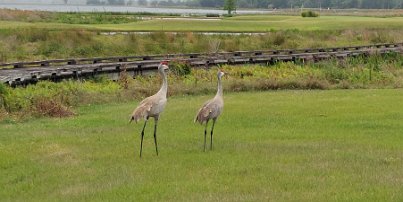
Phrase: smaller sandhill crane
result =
(152, 106)
(211, 110)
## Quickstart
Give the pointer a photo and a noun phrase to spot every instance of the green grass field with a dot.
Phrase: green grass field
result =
(336, 145)
(254, 23)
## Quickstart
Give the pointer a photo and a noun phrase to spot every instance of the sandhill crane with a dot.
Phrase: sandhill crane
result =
(152, 106)
(211, 110)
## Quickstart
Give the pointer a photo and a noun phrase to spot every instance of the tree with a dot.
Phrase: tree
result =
(230, 5)
(297, 3)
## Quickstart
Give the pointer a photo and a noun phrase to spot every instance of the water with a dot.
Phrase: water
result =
(202, 33)
(130, 9)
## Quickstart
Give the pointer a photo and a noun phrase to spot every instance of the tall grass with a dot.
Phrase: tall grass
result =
(35, 44)
(25, 15)
(75, 17)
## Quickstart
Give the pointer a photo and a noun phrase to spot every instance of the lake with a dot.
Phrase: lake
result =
(130, 9)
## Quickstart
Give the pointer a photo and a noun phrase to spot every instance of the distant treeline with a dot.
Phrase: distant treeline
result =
(344, 4)
(363, 4)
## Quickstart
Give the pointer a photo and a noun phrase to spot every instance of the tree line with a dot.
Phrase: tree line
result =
(340, 4)
(344, 4)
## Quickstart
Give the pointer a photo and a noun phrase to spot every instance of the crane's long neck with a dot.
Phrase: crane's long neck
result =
(164, 87)
(219, 87)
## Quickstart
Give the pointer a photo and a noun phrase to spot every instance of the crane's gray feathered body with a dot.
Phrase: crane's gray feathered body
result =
(211, 110)
(152, 106)
(149, 107)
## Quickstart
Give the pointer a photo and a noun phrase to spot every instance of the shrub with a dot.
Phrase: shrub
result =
(124, 79)
(315, 83)
(267, 84)
(51, 107)
(180, 68)
(238, 86)
(309, 14)
(212, 15)
(278, 39)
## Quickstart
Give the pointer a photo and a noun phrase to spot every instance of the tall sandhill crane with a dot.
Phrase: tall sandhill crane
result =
(211, 110)
(152, 106)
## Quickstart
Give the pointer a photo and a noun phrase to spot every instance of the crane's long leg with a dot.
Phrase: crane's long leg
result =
(205, 135)
(211, 135)
(155, 134)
(142, 136)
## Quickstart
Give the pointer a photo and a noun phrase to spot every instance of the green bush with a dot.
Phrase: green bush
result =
(34, 99)
(180, 68)
(309, 14)
(278, 39)
(212, 15)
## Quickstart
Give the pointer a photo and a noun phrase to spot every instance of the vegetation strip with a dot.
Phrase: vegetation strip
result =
(376, 71)
(20, 76)
(74, 61)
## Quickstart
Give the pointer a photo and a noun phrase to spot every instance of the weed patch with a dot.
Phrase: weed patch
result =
(51, 108)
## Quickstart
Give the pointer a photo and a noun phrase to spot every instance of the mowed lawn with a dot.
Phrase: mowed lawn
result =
(252, 23)
(336, 145)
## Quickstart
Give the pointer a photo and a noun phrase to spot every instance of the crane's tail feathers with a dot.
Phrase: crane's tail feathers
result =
(135, 118)
(141, 112)
(132, 119)
(199, 120)
(199, 117)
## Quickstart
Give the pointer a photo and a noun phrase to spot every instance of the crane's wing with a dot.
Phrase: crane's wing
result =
(142, 110)
(204, 113)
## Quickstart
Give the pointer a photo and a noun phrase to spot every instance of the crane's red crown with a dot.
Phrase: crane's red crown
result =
(164, 62)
